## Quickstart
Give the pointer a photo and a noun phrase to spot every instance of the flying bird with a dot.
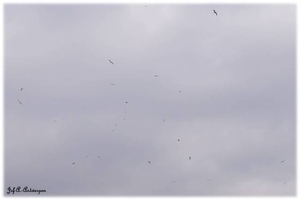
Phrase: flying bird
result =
(112, 130)
(112, 84)
(190, 157)
(178, 140)
(215, 12)
(156, 75)
(21, 89)
(55, 120)
(282, 161)
(19, 102)
(173, 181)
(208, 180)
(164, 120)
(111, 62)
(179, 91)
(87, 156)
(116, 124)
(126, 102)
(149, 162)
(73, 163)
(99, 157)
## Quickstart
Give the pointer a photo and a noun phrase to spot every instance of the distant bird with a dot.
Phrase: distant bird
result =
(19, 102)
(99, 157)
(112, 84)
(282, 161)
(190, 157)
(125, 111)
(283, 183)
(21, 89)
(123, 118)
(179, 91)
(156, 75)
(116, 124)
(111, 62)
(164, 120)
(126, 102)
(55, 121)
(215, 13)
(87, 156)
(208, 180)
(73, 163)
(149, 162)
(112, 130)
(173, 181)
(178, 140)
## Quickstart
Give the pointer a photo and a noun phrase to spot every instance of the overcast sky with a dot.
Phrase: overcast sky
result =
(225, 86)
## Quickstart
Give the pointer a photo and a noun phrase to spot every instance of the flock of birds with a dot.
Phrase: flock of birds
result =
(111, 62)
(190, 157)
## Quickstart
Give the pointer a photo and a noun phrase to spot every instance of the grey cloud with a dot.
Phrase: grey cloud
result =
(235, 114)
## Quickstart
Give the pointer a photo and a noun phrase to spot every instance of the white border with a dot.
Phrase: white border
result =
(135, 2)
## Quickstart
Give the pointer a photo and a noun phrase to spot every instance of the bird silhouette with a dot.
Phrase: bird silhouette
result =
(87, 156)
(111, 62)
(179, 91)
(282, 161)
(215, 13)
(190, 157)
(126, 102)
(173, 181)
(116, 124)
(112, 84)
(164, 120)
(19, 102)
(99, 157)
(156, 75)
(21, 89)
(149, 162)
(73, 163)
(178, 140)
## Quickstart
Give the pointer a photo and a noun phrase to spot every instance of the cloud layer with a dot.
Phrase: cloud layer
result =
(235, 114)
